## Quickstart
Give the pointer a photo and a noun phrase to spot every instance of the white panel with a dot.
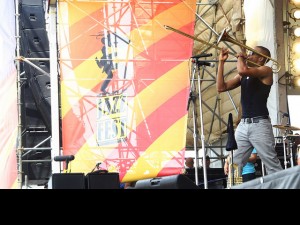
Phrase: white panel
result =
(7, 37)
(260, 30)
(294, 109)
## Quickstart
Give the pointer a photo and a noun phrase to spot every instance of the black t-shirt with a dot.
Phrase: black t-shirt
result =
(254, 96)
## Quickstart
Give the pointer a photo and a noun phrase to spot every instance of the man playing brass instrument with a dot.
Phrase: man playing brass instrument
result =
(255, 128)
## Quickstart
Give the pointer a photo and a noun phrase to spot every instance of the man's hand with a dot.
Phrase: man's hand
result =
(242, 54)
(223, 54)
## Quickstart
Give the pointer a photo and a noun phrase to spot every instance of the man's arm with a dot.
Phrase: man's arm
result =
(252, 158)
(226, 165)
(221, 84)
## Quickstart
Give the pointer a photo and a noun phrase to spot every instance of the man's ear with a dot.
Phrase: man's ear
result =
(263, 59)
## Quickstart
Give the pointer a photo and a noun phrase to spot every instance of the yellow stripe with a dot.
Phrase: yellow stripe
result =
(15, 184)
(78, 11)
(151, 162)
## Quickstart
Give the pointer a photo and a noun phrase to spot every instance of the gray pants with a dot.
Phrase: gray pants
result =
(260, 136)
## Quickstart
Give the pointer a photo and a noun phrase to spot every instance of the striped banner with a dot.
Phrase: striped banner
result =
(8, 97)
(125, 85)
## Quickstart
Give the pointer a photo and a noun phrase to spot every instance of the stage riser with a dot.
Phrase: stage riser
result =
(285, 179)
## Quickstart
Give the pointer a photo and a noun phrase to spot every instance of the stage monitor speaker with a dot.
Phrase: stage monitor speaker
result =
(170, 182)
(68, 181)
(284, 179)
(103, 181)
(34, 40)
(32, 2)
(32, 17)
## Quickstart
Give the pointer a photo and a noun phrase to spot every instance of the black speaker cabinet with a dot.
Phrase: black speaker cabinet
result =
(68, 181)
(32, 17)
(34, 40)
(170, 182)
(103, 181)
(40, 86)
(39, 62)
(32, 2)
(31, 116)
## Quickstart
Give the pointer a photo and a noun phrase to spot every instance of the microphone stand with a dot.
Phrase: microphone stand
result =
(67, 163)
(96, 166)
(290, 141)
(284, 142)
(195, 134)
(98, 169)
(284, 149)
(202, 128)
(192, 97)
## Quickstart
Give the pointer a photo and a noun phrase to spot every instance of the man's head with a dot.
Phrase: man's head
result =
(258, 58)
(207, 161)
(189, 162)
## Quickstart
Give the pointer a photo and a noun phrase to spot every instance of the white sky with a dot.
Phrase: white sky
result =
(294, 110)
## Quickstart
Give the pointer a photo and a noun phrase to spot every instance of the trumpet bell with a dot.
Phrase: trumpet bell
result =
(223, 36)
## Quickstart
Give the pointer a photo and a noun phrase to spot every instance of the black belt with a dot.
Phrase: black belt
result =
(254, 119)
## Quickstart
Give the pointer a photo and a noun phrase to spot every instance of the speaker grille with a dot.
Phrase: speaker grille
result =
(68, 181)
(103, 181)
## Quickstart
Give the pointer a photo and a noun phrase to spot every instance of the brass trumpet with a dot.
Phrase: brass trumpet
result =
(225, 37)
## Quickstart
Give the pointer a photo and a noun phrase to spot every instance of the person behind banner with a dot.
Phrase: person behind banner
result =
(249, 171)
(296, 148)
(255, 128)
(189, 163)
(189, 170)
(207, 162)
